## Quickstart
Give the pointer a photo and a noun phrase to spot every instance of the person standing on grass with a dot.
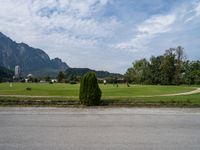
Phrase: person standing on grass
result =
(104, 82)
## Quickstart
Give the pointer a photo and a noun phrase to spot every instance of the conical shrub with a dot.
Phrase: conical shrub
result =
(90, 93)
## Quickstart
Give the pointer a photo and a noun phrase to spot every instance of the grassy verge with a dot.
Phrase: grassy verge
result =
(160, 101)
(30, 101)
(168, 101)
(45, 89)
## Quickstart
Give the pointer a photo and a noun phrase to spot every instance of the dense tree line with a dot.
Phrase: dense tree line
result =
(79, 72)
(171, 68)
(73, 75)
(5, 74)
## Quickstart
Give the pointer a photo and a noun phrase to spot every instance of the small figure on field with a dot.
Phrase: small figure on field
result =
(115, 82)
(127, 84)
(28, 89)
(104, 82)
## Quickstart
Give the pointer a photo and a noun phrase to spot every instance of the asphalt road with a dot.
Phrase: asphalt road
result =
(99, 129)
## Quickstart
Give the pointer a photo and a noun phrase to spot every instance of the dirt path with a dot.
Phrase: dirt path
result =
(185, 93)
(197, 90)
(175, 94)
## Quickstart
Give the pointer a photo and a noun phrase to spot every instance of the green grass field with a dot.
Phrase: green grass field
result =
(45, 89)
(67, 95)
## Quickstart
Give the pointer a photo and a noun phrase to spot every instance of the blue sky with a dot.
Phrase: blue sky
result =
(103, 34)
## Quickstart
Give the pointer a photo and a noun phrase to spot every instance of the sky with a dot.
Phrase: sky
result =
(103, 34)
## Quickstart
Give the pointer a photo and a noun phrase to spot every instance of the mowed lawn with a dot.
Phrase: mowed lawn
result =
(57, 89)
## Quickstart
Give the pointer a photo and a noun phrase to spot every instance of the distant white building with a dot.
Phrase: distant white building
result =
(17, 72)
(42, 81)
(54, 80)
(26, 80)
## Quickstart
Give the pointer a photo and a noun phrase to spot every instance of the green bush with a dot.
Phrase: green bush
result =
(90, 93)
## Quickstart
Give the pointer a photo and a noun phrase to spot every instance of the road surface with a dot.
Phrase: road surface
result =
(99, 129)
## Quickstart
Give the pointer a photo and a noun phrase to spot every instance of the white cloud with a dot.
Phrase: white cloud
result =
(50, 16)
(70, 23)
(82, 8)
(146, 31)
(95, 33)
(156, 24)
(159, 25)
(197, 9)
(69, 29)
(193, 13)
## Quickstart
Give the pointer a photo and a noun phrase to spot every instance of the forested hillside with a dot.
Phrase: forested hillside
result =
(5, 74)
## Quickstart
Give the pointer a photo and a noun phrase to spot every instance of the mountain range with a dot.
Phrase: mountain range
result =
(31, 60)
(35, 61)
(70, 72)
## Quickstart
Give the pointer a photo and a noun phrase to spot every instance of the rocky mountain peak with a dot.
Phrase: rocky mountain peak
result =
(31, 60)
